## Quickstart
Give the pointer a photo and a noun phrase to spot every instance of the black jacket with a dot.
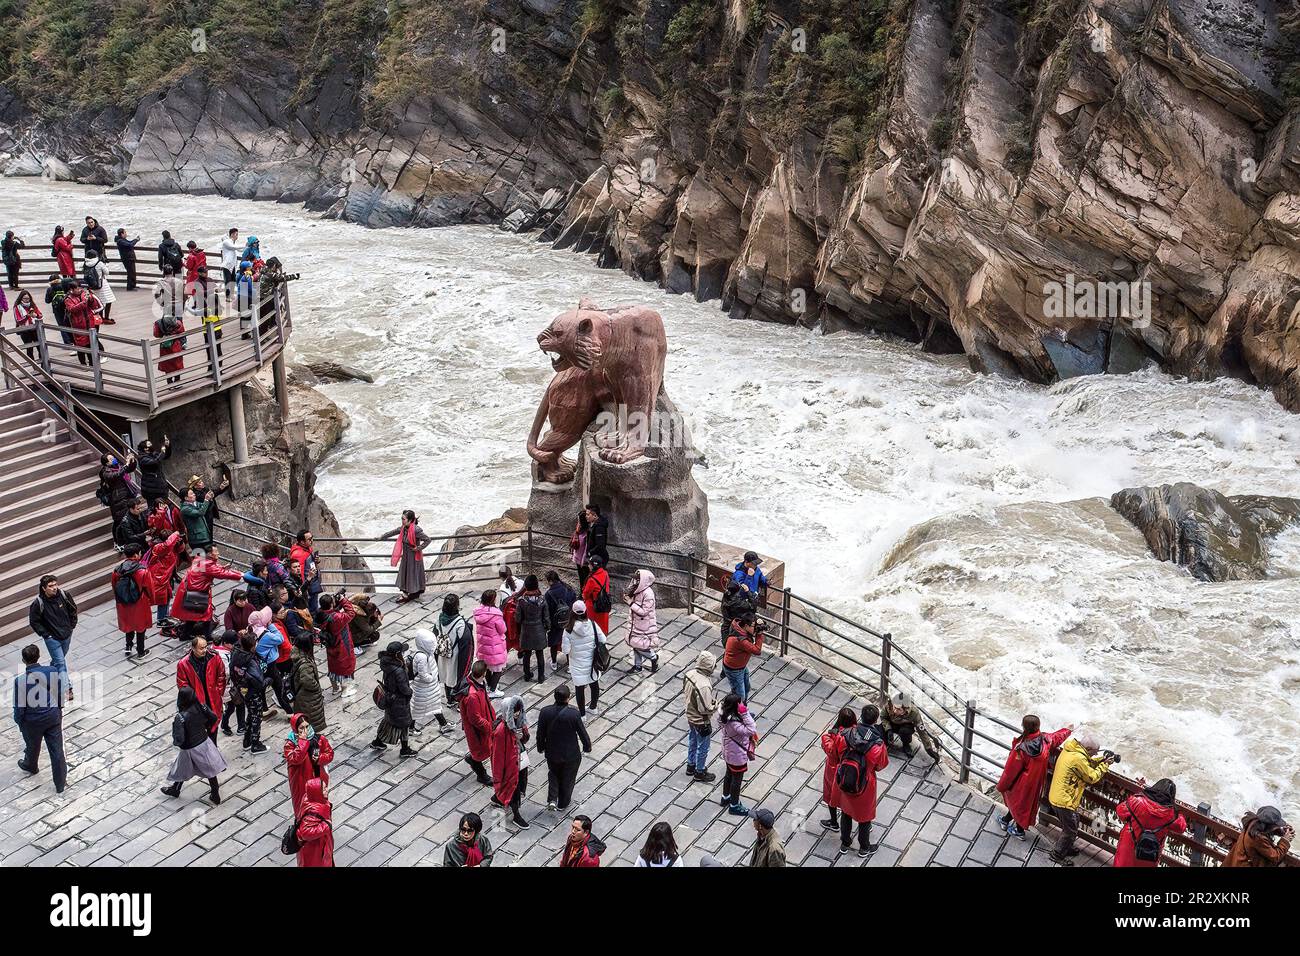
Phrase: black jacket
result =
(559, 601)
(132, 530)
(397, 690)
(169, 254)
(190, 727)
(558, 731)
(95, 239)
(534, 621)
(126, 249)
(153, 480)
(598, 539)
(53, 618)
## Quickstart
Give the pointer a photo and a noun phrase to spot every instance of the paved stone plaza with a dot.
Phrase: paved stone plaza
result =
(395, 813)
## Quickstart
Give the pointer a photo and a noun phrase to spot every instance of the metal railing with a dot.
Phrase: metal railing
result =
(869, 662)
(129, 369)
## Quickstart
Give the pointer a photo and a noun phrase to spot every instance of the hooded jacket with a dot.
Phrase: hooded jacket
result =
(454, 665)
(534, 620)
(307, 694)
(426, 688)
(700, 701)
(1140, 812)
(137, 616)
(1021, 783)
(1254, 847)
(315, 832)
(861, 806)
(1074, 771)
(476, 718)
(580, 645)
(585, 854)
(305, 759)
(644, 633)
(509, 735)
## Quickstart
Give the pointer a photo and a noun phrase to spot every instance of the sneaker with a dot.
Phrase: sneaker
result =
(830, 824)
(845, 847)
(690, 770)
(144, 653)
(1060, 860)
(444, 728)
(26, 769)
(520, 822)
(226, 730)
(495, 802)
(866, 851)
(247, 744)
(593, 708)
(416, 730)
(738, 810)
(496, 694)
(378, 745)
(1013, 829)
(407, 752)
(703, 776)
(551, 807)
(257, 748)
(725, 801)
(351, 691)
(268, 714)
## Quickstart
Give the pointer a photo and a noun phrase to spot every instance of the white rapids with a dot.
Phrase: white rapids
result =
(958, 511)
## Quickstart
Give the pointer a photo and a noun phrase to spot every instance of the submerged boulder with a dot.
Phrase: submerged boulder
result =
(1215, 536)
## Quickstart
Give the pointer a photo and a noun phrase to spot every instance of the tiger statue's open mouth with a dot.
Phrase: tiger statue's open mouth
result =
(570, 342)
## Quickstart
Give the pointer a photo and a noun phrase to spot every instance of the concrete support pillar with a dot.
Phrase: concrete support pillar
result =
(237, 428)
(139, 432)
(281, 386)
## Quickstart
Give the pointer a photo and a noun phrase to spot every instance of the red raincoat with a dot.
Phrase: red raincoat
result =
(299, 764)
(137, 616)
(339, 650)
(596, 581)
(505, 760)
(1140, 812)
(512, 625)
(161, 564)
(213, 688)
(200, 578)
(315, 832)
(1021, 784)
(580, 857)
(168, 521)
(194, 261)
(173, 347)
(63, 252)
(476, 717)
(860, 807)
(828, 771)
(80, 312)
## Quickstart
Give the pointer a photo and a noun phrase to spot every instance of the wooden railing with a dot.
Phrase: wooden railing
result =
(127, 369)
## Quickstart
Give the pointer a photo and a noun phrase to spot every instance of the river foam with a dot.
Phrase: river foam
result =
(827, 451)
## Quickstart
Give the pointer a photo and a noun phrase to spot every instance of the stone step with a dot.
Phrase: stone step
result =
(64, 459)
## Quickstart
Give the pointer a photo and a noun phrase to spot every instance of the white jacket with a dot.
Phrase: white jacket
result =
(580, 645)
(230, 254)
(426, 689)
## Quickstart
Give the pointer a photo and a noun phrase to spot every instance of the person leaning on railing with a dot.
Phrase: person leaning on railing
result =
(1077, 767)
(1255, 846)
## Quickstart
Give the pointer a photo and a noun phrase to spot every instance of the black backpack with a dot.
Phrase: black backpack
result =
(102, 495)
(126, 590)
(1147, 845)
(601, 603)
(852, 774)
(289, 843)
(91, 275)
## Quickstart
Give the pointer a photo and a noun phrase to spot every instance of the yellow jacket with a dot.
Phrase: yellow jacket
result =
(1074, 771)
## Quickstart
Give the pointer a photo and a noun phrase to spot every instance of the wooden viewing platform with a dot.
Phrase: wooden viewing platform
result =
(118, 373)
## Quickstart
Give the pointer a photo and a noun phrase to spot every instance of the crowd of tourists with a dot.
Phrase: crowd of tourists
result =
(189, 290)
(280, 625)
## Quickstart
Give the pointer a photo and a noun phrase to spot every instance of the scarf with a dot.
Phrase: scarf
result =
(406, 536)
(473, 855)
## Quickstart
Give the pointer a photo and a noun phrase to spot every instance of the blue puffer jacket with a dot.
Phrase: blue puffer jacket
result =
(755, 582)
(268, 645)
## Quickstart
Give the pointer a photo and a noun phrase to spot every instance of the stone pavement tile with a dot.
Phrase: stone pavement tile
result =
(885, 856)
(888, 809)
(1004, 860)
(918, 853)
(899, 834)
(371, 835)
(968, 824)
(378, 855)
(951, 851)
(634, 827)
(917, 808)
(934, 829)
(270, 843)
(1017, 849)
(57, 854)
(799, 846)
(985, 848)
(183, 856)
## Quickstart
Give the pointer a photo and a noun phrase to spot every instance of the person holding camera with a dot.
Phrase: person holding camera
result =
(1147, 819)
(744, 641)
(1079, 766)
(1255, 845)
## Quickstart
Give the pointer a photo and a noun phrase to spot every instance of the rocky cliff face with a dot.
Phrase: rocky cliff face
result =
(1053, 187)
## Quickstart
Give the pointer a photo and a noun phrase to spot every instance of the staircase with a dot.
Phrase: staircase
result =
(50, 521)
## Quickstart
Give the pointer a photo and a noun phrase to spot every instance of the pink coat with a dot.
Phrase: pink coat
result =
(490, 628)
(644, 635)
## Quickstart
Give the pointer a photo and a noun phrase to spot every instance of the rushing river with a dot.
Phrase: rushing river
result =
(829, 452)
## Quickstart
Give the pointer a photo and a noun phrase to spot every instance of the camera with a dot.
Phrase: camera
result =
(1110, 756)
(760, 626)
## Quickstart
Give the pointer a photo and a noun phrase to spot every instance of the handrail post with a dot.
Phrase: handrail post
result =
(94, 361)
(690, 583)
(148, 374)
(1196, 857)
(529, 545)
(785, 621)
(967, 740)
(212, 353)
(886, 653)
(42, 346)
(69, 407)
(279, 318)
(4, 366)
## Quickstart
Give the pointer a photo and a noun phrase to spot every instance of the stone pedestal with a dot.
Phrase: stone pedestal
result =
(653, 504)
